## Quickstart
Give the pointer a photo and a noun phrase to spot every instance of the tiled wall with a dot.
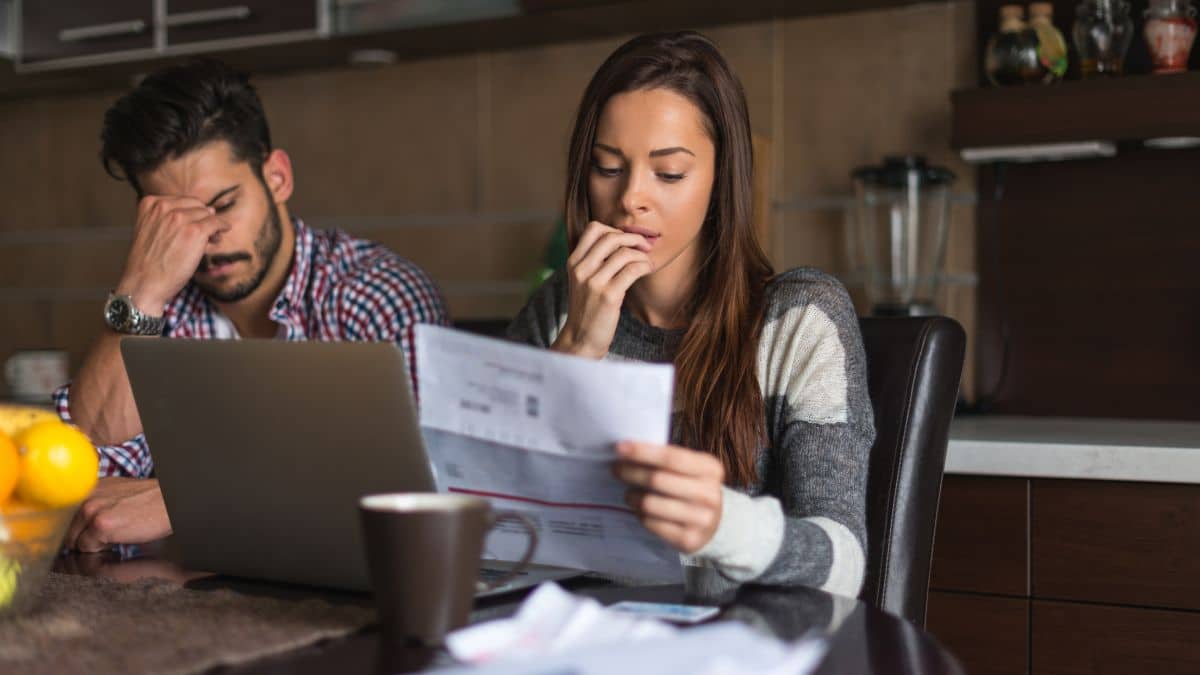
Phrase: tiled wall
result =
(457, 163)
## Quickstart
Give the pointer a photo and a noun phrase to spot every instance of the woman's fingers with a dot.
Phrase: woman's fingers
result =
(661, 507)
(673, 457)
(602, 279)
(608, 245)
(591, 233)
(676, 492)
(605, 262)
(665, 482)
(594, 231)
(629, 274)
(681, 537)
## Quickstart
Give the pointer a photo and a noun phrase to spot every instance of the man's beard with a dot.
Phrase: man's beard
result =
(266, 246)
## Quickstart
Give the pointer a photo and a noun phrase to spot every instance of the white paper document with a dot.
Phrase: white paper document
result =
(555, 632)
(533, 431)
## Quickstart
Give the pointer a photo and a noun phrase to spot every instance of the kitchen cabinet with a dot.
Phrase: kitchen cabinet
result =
(59, 34)
(1080, 639)
(56, 30)
(1045, 575)
(197, 21)
(276, 35)
(989, 634)
(1141, 543)
(982, 541)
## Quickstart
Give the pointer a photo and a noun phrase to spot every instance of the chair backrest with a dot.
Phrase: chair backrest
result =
(913, 371)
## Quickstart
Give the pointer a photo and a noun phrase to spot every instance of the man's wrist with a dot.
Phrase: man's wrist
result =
(146, 302)
(123, 314)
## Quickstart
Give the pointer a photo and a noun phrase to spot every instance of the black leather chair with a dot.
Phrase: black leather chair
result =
(913, 371)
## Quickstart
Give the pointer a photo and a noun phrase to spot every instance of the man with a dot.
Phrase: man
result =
(215, 254)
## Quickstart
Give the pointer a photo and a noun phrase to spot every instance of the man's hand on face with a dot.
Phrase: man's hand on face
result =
(168, 244)
(120, 511)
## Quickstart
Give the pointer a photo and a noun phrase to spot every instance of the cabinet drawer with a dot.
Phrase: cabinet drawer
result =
(192, 21)
(988, 634)
(61, 29)
(1120, 543)
(982, 538)
(1096, 640)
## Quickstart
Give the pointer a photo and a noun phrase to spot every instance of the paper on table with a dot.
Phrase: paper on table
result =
(533, 431)
(556, 632)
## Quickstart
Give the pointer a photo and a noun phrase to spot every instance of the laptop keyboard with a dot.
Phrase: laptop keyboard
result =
(490, 574)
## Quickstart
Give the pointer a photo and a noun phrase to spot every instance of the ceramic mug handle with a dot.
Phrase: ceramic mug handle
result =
(530, 529)
(10, 369)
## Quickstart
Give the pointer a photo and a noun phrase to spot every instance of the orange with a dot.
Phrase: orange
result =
(15, 418)
(58, 464)
(10, 464)
(26, 524)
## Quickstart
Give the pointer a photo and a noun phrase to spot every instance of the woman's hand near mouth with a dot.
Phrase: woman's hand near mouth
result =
(604, 264)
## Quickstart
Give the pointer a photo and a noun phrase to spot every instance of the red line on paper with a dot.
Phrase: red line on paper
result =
(541, 502)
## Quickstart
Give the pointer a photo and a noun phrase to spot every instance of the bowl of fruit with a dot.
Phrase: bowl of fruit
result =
(47, 468)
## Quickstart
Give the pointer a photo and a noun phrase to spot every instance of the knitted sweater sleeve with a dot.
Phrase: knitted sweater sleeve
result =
(539, 322)
(808, 525)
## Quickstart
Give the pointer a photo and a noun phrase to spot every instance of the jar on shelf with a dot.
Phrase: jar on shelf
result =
(1102, 32)
(1052, 47)
(1012, 53)
(1170, 30)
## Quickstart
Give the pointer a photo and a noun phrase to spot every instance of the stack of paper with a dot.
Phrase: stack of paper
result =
(556, 632)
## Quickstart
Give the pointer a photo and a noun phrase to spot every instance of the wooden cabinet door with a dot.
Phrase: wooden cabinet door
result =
(1082, 639)
(1117, 543)
(989, 635)
(60, 29)
(195, 21)
(982, 540)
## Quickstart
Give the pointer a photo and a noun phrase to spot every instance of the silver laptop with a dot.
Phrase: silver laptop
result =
(262, 449)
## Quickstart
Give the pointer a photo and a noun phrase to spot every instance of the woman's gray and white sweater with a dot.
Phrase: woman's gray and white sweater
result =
(804, 521)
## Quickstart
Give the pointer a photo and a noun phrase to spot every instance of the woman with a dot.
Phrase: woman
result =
(766, 478)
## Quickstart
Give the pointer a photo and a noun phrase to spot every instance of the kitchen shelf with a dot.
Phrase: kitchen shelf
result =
(540, 22)
(1120, 109)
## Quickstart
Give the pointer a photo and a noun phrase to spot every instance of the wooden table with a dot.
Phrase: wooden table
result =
(864, 641)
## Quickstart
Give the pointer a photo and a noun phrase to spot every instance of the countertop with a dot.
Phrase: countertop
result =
(1092, 449)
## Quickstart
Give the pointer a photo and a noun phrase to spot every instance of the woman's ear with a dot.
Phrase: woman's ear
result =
(277, 173)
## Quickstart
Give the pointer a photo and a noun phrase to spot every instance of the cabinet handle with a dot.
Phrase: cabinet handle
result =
(102, 30)
(235, 13)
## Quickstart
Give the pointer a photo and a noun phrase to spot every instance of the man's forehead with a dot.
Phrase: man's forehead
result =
(201, 173)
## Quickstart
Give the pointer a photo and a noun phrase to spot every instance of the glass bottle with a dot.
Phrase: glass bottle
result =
(1052, 47)
(1012, 54)
(1102, 32)
(1170, 31)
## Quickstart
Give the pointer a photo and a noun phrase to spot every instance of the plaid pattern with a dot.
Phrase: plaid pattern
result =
(339, 289)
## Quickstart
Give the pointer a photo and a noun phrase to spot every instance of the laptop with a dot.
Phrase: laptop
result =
(263, 448)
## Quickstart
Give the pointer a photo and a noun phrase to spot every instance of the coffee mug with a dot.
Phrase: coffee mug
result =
(35, 374)
(423, 555)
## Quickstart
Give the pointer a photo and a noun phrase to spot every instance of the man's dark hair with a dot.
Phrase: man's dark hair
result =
(179, 108)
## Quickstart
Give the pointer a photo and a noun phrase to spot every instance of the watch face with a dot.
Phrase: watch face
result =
(117, 313)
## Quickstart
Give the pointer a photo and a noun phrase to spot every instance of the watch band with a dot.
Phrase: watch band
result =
(144, 324)
(123, 316)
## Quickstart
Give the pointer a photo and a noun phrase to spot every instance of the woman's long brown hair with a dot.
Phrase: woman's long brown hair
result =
(716, 378)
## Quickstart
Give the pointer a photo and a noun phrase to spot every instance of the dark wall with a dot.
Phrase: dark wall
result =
(1090, 286)
(1089, 294)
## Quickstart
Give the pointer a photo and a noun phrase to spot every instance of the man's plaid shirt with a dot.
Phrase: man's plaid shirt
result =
(339, 288)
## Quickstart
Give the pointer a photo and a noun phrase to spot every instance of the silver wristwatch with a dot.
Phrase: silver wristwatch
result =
(123, 316)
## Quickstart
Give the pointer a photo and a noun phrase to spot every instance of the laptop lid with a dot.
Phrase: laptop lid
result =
(262, 449)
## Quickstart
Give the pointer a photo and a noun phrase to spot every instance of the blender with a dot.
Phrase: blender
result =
(901, 211)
